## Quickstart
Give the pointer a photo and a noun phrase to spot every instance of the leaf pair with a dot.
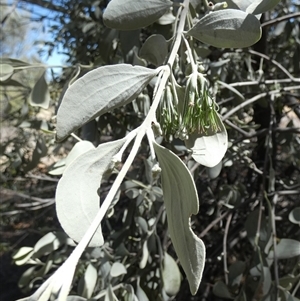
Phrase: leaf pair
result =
(77, 202)
(228, 28)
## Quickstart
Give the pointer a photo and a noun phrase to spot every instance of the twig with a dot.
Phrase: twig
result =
(265, 82)
(286, 192)
(225, 247)
(232, 125)
(296, 288)
(290, 76)
(25, 196)
(244, 104)
(43, 178)
(212, 224)
(274, 245)
(255, 98)
(280, 19)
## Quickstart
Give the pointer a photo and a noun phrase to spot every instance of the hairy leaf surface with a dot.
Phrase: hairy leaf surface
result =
(181, 201)
(286, 248)
(98, 92)
(239, 4)
(134, 14)
(77, 199)
(78, 149)
(261, 6)
(229, 28)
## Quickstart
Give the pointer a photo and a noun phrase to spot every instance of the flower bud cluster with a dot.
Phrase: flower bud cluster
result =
(167, 113)
(196, 112)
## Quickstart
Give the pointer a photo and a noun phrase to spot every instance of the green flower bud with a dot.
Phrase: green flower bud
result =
(167, 114)
(199, 114)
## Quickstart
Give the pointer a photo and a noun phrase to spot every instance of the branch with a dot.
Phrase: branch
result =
(294, 79)
(255, 98)
(225, 247)
(280, 19)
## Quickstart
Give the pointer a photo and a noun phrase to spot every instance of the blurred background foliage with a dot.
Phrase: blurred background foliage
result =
(258, 92)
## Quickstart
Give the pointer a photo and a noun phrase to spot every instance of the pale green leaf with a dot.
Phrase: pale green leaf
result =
(195, 3)
(154, 50)
(142, 223)
(289, 281)
(208, 149)
(181, 201)
(47, 244)
(39, 152)
(294, 216)
(73, 298)
(242, 5)
(232, 89)
(239, 4)
(12, 82)
(261, 6)
(40, 96)
(128, 293)
(228, 28)
(132, 193)
(26, 278)
(23, 255)
(90, 280)
(141, 295)
(287, 248)
(265, 277)
(58, 168)
(220, 290)
(236, 271)
(88, 26)
(213, 172)
(78, 149)
(145, 255)
(170, 275)
(98, 92)
(110, 295)
(134, 14)
(117, 269)
(251, 228)
(22, 252)
(77, 199)
(6, 72)
(167, 18)
(13, 62)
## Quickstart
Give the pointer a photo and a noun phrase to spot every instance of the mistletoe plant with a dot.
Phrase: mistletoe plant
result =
(180, 109)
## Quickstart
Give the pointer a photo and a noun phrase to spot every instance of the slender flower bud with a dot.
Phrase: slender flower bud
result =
(199, 110)
(196, 112)
(167, 114)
